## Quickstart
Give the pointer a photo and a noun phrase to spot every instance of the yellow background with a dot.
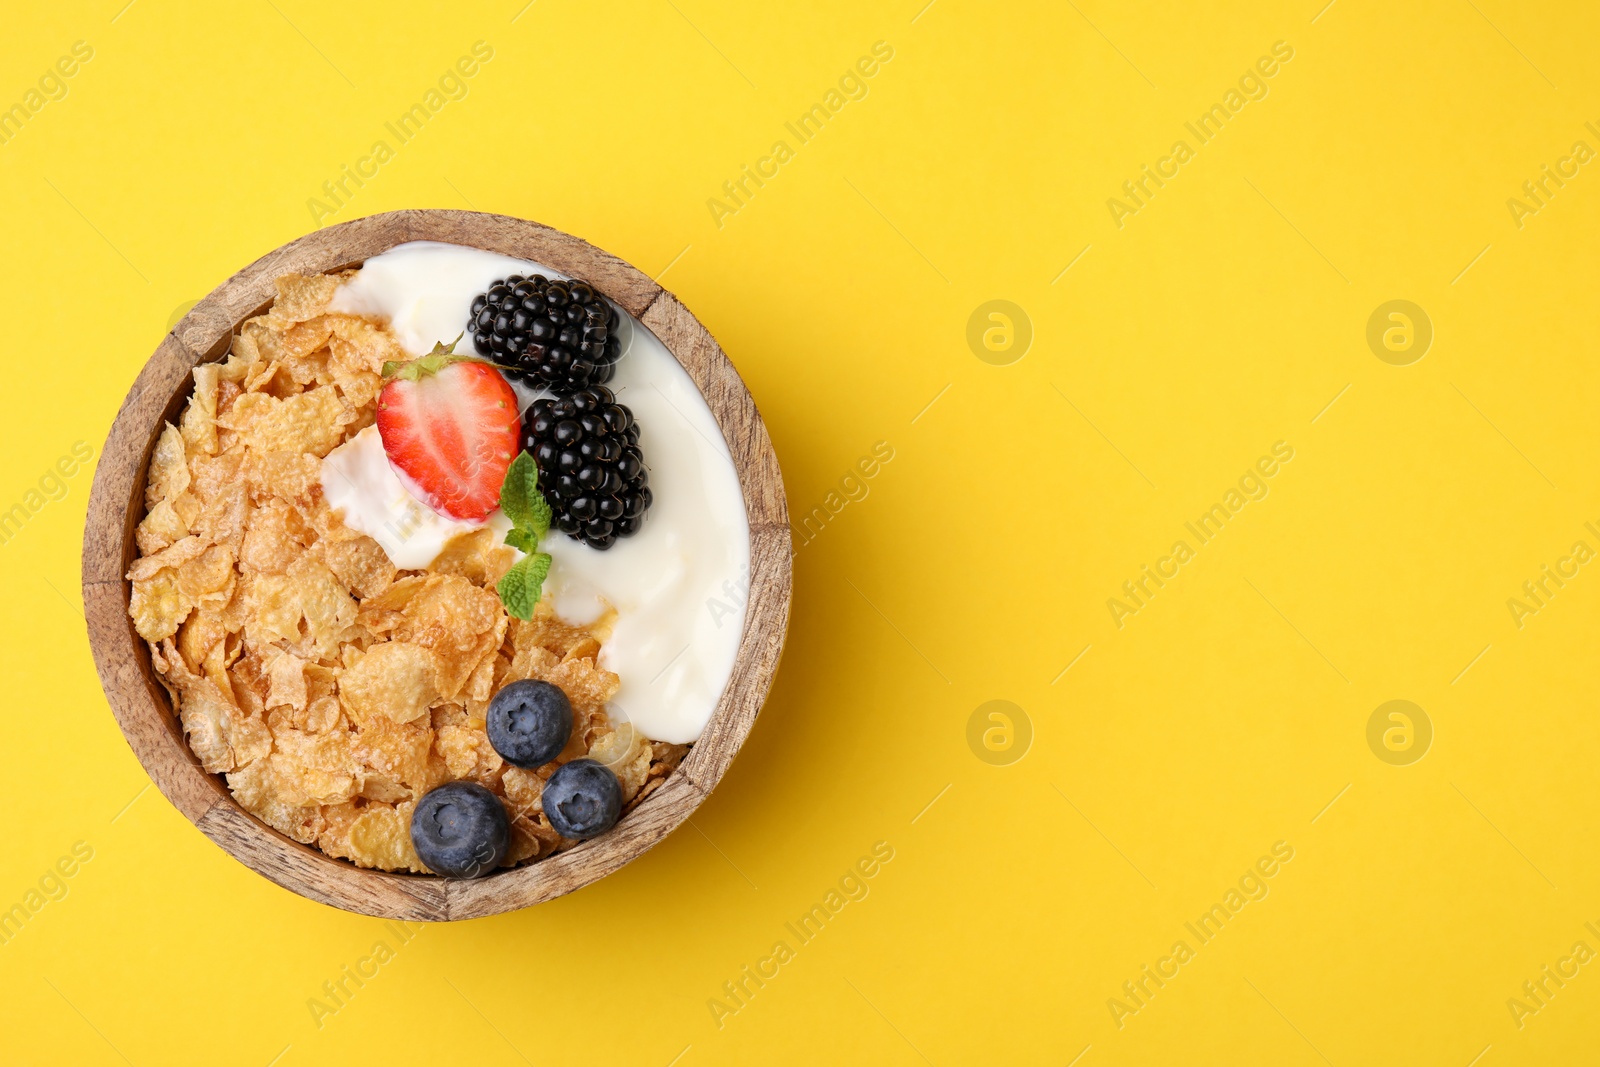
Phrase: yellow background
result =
(1228, 714)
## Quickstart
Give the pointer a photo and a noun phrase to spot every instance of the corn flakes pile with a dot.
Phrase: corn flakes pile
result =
(332, 690)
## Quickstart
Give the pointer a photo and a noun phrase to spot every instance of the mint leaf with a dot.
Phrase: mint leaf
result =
(524, 540)
(523, 584)
(521, 500)
(542, 516)
(517, 491)
(530, 516)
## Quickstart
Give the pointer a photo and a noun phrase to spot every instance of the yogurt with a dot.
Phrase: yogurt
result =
(676, 630)
(378, 499)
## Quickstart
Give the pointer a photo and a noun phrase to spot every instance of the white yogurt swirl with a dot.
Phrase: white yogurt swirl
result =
(677, 627)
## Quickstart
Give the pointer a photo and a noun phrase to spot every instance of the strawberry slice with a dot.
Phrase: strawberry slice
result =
(450, 424)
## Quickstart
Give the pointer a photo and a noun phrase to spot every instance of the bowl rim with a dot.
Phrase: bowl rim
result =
(140, 703)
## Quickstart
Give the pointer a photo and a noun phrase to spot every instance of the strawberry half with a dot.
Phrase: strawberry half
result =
(450, 423)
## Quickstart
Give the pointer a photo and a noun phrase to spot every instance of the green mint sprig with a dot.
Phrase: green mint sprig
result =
(523, 584)
(530, 516)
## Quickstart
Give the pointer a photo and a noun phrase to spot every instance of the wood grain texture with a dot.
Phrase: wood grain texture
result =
(660, 813)
(310, 873)
(141, 705)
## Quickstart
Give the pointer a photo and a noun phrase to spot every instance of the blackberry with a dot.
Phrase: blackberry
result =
(561, 336)
(590, 467)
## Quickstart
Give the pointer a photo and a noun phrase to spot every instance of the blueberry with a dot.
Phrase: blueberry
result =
(529, 722)
(582, 799)
(460, 830)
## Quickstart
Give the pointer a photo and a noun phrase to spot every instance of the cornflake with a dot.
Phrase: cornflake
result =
(331, 689)
(396, 680)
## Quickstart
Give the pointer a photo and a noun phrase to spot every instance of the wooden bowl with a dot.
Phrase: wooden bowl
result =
(141, 704)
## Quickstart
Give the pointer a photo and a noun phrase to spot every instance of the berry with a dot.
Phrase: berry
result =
(460, 830)
(529, 722)
(450, 424)
(557, 335)
(590, 467)
(582, 799)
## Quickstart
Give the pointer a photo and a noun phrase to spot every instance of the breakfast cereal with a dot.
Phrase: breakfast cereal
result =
(333, 690)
